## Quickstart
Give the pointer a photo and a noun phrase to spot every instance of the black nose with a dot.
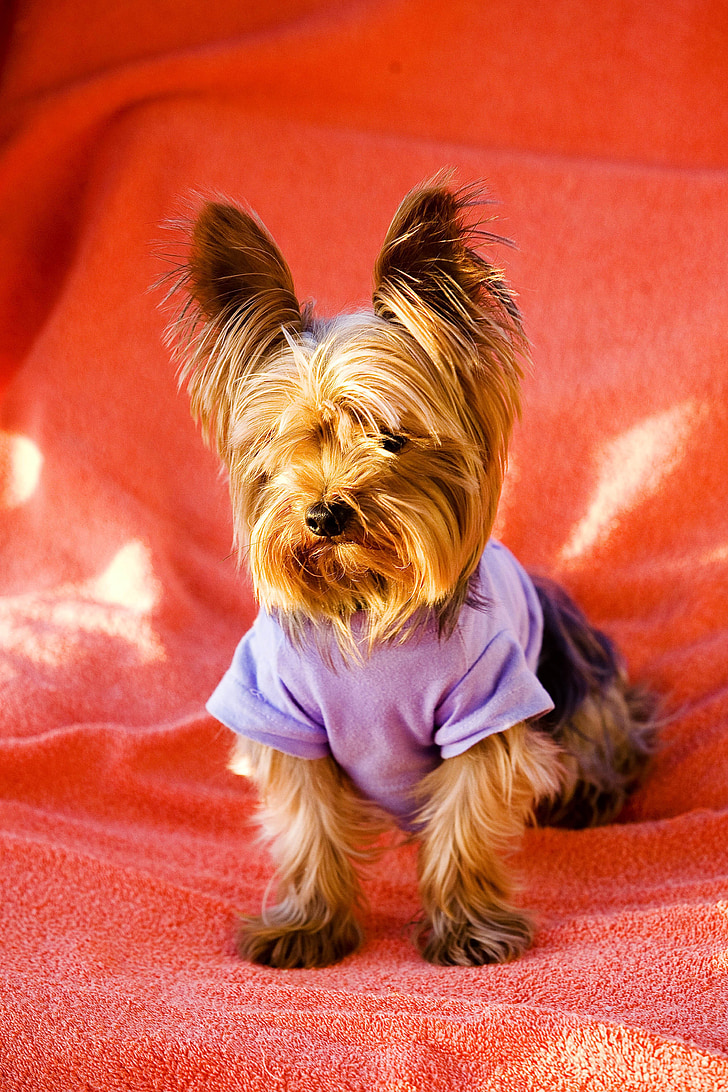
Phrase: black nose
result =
(328, 520)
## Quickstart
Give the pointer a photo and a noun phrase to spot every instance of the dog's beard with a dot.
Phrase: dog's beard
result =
(404, 556)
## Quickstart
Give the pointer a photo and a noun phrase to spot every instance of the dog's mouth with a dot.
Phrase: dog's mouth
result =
(346, 554)
(360, 564)
(348, 559)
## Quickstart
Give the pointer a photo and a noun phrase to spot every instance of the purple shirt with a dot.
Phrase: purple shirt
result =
(391, 719)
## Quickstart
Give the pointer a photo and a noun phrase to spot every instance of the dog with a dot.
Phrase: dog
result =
(403, 669)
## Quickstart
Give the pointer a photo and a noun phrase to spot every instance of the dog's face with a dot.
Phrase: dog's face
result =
(366, 454)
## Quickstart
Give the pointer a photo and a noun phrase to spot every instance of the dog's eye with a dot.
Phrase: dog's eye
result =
(393, 441)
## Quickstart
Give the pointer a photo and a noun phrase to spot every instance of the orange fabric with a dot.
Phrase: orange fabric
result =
(126, 849)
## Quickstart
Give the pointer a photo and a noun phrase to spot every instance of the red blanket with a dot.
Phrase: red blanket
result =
(126, 849)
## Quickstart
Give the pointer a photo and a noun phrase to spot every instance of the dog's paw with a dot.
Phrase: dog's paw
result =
(273, 941)
(455, 940)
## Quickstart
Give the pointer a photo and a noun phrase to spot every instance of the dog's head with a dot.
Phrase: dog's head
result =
(366, 454)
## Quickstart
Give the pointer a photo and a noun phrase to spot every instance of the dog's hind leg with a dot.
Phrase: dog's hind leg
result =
(603, 723)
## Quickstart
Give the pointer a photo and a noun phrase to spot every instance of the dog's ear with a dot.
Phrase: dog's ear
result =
(235, 267)
(245, 301)
(431, 283)
(430, 279)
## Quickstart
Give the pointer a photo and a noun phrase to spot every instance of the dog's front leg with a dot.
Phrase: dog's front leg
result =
(474, 809)
(315, 823)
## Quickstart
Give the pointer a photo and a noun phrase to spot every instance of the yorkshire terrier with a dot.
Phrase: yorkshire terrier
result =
(403, 667)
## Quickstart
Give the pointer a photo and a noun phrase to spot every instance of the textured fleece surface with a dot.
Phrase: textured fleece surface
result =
(126, 849)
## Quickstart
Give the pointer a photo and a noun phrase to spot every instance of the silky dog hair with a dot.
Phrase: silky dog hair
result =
(366, 457)
(401, 419)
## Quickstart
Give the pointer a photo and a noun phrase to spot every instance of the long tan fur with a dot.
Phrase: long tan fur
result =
(317, 827)
(366, 457)
(303, 412)
(475, 807)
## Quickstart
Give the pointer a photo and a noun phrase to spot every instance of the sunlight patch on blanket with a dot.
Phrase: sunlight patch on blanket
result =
(129, 580)
(47, 626)
(21, 463)
(630, 469)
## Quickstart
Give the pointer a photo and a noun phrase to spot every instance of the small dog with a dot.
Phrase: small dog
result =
(403, 666)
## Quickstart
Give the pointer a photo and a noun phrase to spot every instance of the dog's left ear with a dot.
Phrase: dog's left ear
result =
(431, 283)
(430, 279)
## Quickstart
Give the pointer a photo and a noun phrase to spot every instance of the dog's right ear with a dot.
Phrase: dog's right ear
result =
(242, 300)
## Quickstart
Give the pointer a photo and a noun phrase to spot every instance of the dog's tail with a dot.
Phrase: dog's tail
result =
(603, 723)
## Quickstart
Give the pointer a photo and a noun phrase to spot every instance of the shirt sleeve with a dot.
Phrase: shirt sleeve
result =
(498, 691)
(253, 700)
